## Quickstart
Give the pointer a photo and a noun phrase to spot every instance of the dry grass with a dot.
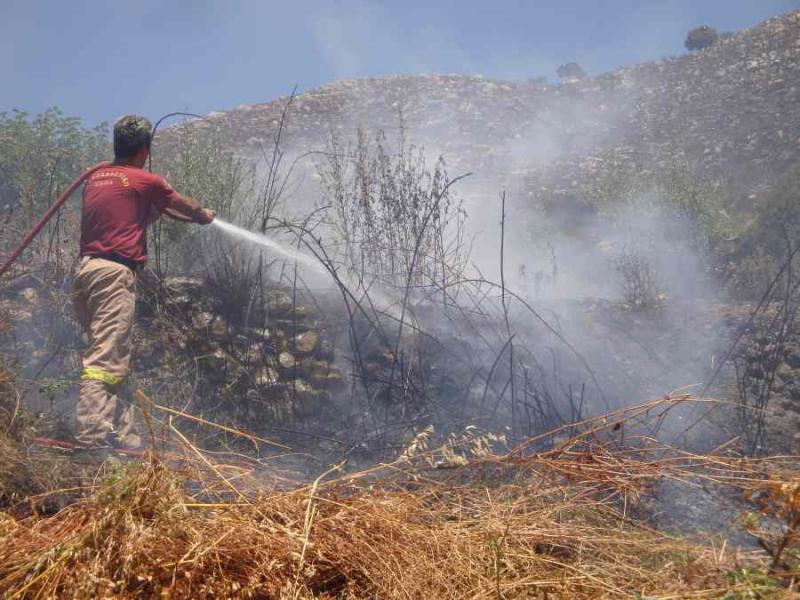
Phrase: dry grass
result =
(11, 465)
(24, 472)
(13, 460)
(553, 524)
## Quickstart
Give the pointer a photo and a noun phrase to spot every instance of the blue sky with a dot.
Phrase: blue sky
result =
(98, 60)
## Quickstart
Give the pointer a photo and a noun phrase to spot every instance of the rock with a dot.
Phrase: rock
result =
(316, 369)
(286, 361)
(30, 294)
(280, 304)
(305, 343)
(300, 386)
(214, 324)
(327, 377)
(290, 326)
(262, 333)
(181, 301)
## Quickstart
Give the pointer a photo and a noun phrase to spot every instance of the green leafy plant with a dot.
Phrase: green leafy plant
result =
(701, 38)
(571, 71)
(39, 157)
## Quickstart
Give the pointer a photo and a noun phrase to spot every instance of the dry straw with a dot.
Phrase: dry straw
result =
(453, 522)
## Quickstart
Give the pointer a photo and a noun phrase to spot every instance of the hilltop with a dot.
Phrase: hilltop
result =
(731, 112)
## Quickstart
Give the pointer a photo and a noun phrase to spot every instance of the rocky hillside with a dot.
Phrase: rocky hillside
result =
(732, 112)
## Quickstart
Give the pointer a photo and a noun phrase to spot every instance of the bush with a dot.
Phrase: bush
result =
(399, 220)
(700, 204)
(639, 280)
(196, 165)
(571, 71)
(778, 218)
(39, 157)
(674, 231)
(772, 229)
(701, 38)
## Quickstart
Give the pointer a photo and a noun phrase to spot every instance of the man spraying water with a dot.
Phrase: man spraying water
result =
(119, 201)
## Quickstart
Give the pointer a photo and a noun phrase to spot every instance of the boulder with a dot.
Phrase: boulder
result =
(213, 324)
(290, 326)
(262, 333)
(30, 294)
(324, 375)
(306, 342)
(287, 361)
(279, 303)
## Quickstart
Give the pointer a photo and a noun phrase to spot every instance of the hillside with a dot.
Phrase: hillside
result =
(361, 381)
(732, 112)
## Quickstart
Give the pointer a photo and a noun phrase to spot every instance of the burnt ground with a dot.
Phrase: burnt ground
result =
(293, 372)
(291, 383)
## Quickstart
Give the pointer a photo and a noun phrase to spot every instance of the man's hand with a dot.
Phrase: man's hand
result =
(205, 216)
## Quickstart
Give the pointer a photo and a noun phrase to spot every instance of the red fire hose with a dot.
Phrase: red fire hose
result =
(46, 216)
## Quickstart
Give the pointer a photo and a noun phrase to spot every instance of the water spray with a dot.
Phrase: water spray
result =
(266, 242)
(379, 297)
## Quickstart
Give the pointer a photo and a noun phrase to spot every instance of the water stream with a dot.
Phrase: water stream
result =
(267, 242)
(379, 298)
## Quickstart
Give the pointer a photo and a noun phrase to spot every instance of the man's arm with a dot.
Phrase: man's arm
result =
(187, 210)
(179, 207)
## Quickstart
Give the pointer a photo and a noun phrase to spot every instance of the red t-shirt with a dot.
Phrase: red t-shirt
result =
(119, 202)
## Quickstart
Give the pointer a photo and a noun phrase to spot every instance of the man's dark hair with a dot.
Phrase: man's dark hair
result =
(131, 133)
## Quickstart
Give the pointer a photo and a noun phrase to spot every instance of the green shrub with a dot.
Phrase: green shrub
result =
(196, 164)
(39, 157)
(701, 38)
(571, 71)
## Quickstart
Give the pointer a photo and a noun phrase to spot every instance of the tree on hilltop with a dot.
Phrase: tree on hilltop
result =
(701, 38)
(571, 71)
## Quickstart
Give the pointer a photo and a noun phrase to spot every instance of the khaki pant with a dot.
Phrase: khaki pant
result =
(104, 297)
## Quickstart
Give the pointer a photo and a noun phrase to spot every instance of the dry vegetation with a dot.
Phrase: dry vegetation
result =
(455, 522)
(568, 514)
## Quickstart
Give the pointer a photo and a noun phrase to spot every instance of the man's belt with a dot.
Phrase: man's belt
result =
(127, 262)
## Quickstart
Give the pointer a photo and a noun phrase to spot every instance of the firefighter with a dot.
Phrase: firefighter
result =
(119, 202)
